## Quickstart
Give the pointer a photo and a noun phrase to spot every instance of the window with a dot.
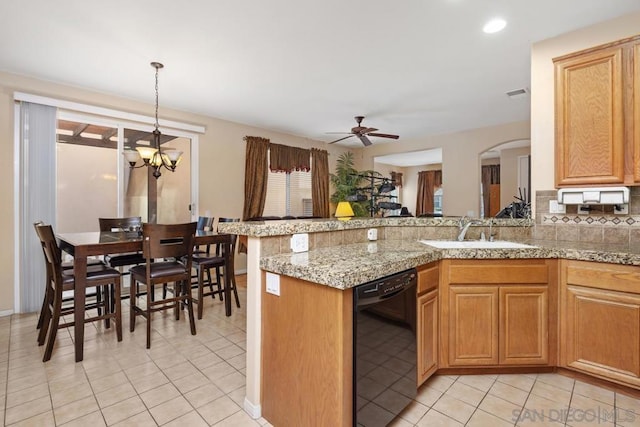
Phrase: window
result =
(437, 201)
(288, 194)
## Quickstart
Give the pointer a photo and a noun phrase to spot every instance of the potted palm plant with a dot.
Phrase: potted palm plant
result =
(346, 182)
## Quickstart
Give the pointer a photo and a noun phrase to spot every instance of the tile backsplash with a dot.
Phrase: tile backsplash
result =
(600, 225)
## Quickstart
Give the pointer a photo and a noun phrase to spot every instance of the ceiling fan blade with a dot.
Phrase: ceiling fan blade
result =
(364, 140)
(340, 139)
(368, 130)
(384, 135)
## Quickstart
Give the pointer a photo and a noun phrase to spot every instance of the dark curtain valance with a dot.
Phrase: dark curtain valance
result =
(491, 174)
(288, 159)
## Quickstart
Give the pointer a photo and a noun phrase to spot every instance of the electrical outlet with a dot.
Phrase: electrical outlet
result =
(273, 283)
(621, 209)
(557, 208)
(372, 234)
(300, 242)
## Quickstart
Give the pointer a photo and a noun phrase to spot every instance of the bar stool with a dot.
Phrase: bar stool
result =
(204, 262)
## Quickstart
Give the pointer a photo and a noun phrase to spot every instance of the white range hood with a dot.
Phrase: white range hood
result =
(594, 196)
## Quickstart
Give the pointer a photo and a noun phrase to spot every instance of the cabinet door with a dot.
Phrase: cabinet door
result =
(427, 335)
(524, 325)
(636, 112)
(589, 118)
(473, 325)
(602, 333)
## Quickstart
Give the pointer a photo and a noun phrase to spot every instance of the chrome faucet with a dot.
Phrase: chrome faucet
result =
(464, 225)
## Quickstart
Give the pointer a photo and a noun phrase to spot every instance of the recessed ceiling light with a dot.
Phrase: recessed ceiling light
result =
(494, 26)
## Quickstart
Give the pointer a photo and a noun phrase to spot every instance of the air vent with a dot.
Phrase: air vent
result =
(517, 93)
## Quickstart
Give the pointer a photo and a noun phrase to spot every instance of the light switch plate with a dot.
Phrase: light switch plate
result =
(273, 283)
(557, 208)
(372, 234)
(300, 242)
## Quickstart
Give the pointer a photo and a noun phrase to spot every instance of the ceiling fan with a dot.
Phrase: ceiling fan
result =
(362, 132)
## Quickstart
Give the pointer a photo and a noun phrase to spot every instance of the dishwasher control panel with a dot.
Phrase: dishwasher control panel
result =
(387, 285)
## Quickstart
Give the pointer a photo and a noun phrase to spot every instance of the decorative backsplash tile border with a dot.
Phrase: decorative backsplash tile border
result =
(599, 220)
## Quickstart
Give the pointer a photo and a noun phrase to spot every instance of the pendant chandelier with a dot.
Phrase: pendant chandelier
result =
(153, 156)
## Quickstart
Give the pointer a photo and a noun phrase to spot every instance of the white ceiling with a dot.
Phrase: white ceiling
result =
(412, 158)
(413, 68)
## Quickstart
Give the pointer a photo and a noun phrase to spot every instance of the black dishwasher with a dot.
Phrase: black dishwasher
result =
(384, 348)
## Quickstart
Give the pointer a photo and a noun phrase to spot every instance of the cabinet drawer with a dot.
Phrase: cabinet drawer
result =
(499, 272)
(603, 276)
(428, 278)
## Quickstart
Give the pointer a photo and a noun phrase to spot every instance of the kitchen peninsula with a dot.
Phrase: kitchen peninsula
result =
(340, 257)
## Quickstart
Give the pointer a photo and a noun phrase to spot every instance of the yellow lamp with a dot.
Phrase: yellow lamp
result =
(344, 211)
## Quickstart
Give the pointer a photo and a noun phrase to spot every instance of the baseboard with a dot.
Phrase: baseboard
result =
(241, 271)
(254, 411)
(4, 313)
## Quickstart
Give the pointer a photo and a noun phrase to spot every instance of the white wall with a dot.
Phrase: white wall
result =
(460, 160)
(542, 88)
(221, 159)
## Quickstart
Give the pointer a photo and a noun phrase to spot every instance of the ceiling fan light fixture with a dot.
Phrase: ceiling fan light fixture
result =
(494, 26)
(363, 132)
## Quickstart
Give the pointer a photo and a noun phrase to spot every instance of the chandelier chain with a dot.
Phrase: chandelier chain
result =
(157, 69)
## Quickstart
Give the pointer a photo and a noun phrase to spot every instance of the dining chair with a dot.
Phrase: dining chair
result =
(205, 262)
(60, 280)
(170, 244)
(203, 223)
(133, 223)
(66, 265)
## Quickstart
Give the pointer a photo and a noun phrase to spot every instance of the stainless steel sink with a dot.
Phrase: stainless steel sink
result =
(475, 244)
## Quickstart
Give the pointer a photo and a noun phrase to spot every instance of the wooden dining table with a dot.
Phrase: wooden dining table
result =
(83, 245)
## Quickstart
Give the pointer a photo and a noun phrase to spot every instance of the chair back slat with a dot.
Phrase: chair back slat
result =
(204, 222)
(133, 223)
(168, 240)
(50, 248)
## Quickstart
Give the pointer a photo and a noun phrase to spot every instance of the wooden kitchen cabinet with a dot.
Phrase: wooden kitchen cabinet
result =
(473, 328)
(523, 325)
(600, 320)
(307, 355)
(498, 312)
(597, 141)
(427, 324)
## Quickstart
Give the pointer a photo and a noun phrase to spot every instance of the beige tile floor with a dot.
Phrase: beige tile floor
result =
(186, 380)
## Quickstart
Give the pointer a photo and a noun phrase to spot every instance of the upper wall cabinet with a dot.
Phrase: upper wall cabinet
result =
(597, 141)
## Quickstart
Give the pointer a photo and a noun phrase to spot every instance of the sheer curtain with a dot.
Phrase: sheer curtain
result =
(37, 196)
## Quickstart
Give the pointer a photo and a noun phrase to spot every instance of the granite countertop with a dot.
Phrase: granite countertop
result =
(284, 227)
(347, 266)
